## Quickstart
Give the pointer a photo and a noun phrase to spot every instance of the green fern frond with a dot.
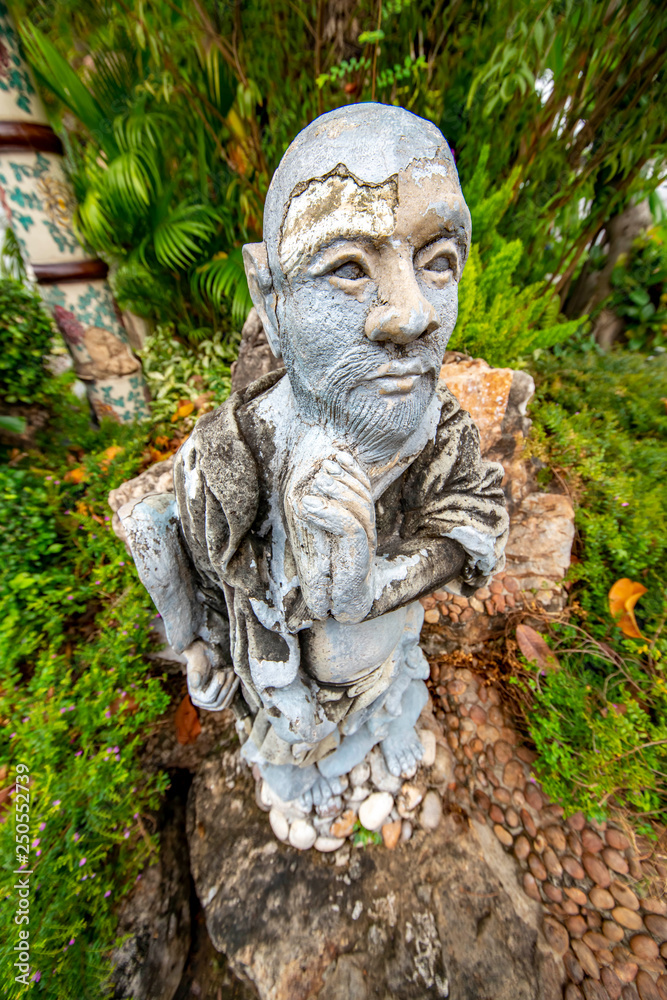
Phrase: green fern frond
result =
(223, 277)
(178, 237)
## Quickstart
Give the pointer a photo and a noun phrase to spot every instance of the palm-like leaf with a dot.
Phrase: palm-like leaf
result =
(59, 77)
(179, 235)
(224, 277)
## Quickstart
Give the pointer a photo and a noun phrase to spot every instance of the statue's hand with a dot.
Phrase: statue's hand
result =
(211, 685)
(339, 502)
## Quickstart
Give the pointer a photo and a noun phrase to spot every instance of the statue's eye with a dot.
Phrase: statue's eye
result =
(350, 270)
(439, 265)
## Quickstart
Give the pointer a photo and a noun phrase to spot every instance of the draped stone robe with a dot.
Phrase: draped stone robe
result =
(222, 587)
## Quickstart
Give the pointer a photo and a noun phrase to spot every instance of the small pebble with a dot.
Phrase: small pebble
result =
(601, 898)
(503, 835)
(629, 919)
(556, 935)
(302, 835)
(328, 844)
(657, 925)
(624, 895)
(374, 810)
(279, 824)
(391, 833)
(586, 958)
(431, 811)
(646, 987)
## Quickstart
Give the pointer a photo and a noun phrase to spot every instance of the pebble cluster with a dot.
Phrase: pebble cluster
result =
(502, 595)
(612, 937)
(371, 798)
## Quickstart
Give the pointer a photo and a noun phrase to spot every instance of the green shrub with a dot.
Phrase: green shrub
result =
(77, 697)
(25, 337)
(640, 291)
(497, 320)
(176, 372)
(600, 722)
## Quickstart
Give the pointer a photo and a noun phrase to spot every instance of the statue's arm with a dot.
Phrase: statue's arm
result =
(413, 569)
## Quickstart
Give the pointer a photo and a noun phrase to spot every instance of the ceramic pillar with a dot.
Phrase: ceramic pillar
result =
(38, 202)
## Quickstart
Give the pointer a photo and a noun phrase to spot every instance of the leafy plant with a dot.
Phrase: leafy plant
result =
(26, 332)
(640, 291)
(497, 320)
(177, 374)
(76, 698)
(600, 721)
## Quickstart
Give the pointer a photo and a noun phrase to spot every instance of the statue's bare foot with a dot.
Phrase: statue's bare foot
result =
(402, 751)
(322, 795)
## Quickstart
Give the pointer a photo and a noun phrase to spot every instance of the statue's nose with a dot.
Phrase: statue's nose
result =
(402, 314)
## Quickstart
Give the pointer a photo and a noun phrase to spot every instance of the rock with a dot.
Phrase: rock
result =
(360, 774)
(431, 811)
(593, 990)
(503, 752)
(344, 825)
(157, 478)
(646, 987)
(328, 844)
(596, 869)
(284, 919)
(302, 835)
(595, 941)
(255, 357)
(358, 794)
(513, 774)
(443, 769)
(601, 898)
(522, 848)
(556, 935)
(611, 983)
(156, 916)
(374, 810)
(629, 919)
(540, 540)
(586, 958)
(624, 895)
(279, 823)
(616, 839)
(406, 831)
(380, 776)
(572, 967)
(573, 992)
(592, 843)
(657, 926)
(556, 838)
(577, 896)
(484, 392)
(536, 867)
(503, 835)
(391, 833)
(612, 931)
(615, 860)
(344, 980)
(644, 947)
(427, 740)
(576, 926)
(654, 905)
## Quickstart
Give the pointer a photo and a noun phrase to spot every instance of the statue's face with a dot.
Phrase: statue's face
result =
(367, 299)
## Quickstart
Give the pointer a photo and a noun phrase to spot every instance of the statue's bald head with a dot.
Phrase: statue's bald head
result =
(369, 143)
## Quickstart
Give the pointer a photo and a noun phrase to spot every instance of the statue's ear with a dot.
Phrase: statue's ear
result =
(262, 292)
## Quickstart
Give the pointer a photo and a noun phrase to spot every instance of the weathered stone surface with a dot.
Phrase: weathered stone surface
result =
(255, 357)
(158, 478)
(484, 392)
(156, 916)
(540, 541)
(444, 908)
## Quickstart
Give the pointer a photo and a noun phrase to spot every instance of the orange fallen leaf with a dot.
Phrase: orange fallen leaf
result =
(76, 475)
(124, 700)
(535, 649)
(109, 454)
(187, 722)
(622, 599)
(184, 410)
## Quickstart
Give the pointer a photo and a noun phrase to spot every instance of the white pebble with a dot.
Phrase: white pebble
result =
(326, 844)
(302, 835)
(427, 740)
(431, 811)
(360, 774)
(279, 824)
(359, 793)
(375, 809)
(406, 831)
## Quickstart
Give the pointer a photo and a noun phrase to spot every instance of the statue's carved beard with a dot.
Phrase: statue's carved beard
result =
(349, 403)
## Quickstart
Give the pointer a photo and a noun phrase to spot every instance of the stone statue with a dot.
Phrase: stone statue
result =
(314, 508)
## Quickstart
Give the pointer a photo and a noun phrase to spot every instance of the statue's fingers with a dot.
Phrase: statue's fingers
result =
(352, 482)
(351, 465)
(329, 516)
(332, 488)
